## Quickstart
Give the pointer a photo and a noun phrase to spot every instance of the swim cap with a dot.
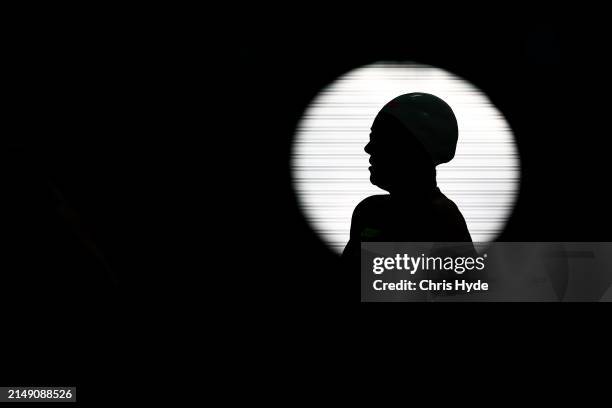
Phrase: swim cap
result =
(430, 120)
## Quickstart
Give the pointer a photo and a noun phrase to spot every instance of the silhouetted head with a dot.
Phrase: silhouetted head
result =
(410, 136)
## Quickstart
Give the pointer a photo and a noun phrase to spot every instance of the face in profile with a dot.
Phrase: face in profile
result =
(397, 158)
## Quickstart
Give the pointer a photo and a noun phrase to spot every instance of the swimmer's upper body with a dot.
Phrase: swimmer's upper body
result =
(410, 136)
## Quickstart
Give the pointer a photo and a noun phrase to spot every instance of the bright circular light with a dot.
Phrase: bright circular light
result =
(330, 167)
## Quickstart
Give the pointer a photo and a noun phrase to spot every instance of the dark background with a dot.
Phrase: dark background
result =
(181, 176)
(547, 76)
(546, 72)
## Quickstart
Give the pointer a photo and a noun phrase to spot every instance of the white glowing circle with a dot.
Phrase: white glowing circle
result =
(330, 167)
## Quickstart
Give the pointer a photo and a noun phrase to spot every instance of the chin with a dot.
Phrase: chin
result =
(373, 179)
(377, 182)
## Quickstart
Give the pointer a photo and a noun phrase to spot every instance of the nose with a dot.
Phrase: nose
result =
(368, 148)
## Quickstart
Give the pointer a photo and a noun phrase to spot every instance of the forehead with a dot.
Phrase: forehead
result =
(385, 120)
(386, 125)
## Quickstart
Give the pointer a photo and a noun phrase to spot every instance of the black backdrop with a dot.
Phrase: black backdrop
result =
(172, 168)
(548, 78)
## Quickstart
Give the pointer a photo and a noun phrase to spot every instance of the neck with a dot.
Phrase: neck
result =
(422, 189)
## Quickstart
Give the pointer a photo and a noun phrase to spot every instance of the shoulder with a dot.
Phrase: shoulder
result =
(368, 209)
(451, 218)
(445, 206)
(371, 203)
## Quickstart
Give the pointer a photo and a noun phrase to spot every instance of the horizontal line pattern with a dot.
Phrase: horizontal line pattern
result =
(330, 168)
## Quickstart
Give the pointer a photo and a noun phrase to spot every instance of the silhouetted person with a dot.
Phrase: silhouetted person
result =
(410, 136)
